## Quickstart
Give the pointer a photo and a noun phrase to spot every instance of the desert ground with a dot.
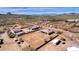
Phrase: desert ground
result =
(39, 33)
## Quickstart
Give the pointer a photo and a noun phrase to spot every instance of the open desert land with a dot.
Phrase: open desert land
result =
(39, 33)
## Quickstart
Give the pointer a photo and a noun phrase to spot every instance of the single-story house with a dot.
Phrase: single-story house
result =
(47, 31)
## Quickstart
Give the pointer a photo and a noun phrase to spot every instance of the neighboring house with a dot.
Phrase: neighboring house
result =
(17, 30)
(20, 33)
(72, 20)
(26, 30)
(47, 31)
(34, 27)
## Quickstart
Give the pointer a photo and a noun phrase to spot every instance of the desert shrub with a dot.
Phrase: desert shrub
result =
(11, 35)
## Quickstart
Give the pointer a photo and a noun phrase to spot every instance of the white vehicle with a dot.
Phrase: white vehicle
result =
(56, 41)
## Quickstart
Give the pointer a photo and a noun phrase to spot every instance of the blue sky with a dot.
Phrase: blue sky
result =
(39, 10)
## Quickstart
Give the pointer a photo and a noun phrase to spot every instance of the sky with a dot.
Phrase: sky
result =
(39, 10)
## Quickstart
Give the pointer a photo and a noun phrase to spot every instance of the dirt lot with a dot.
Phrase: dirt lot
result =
(9, 44)
(35, 39)
(61, 47)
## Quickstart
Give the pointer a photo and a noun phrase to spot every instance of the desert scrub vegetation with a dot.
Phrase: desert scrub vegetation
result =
(11, 19)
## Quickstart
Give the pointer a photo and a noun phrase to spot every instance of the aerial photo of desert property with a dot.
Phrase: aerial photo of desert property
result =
(39, 29)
